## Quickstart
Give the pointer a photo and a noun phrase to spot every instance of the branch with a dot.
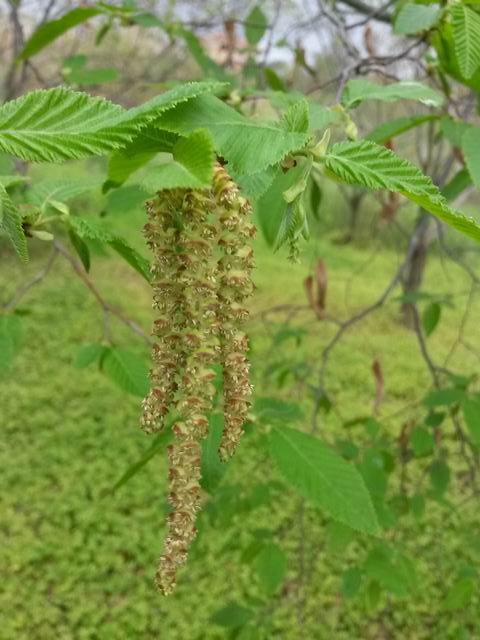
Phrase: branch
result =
(23, 289)
(107, 308)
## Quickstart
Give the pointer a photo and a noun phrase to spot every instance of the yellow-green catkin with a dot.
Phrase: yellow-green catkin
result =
(200, 278)
(235, 286)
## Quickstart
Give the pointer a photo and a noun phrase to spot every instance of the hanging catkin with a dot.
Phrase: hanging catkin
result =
(235, 286)
(200, 278)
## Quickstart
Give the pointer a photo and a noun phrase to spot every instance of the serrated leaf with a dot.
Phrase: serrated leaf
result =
(296, 117)
(126, 370)
(431, 318)
(191, 167)
(271, 566)
(396, 127)
(466, 38)
(415, 18)
(471, 150)
(359, 90)
(376, 167)
(255, 25)
(471, 414)
(52, 30)
(320, 475)
(11, 225)
(58, 124)
(249, 146)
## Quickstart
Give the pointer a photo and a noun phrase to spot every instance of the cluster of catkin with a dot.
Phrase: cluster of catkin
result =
(201, 277)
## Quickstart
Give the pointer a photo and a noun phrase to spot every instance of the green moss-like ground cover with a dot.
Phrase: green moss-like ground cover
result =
(78, 562)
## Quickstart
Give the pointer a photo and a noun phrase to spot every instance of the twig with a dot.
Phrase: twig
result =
(107, 308)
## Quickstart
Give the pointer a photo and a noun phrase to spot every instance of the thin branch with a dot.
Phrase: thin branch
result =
(107, 308)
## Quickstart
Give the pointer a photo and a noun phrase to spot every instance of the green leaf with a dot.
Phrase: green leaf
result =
(11, 332)
(59, 124)
(126, 199)
(459, 595)
(88, 354)
(422, 442)
(414, 18)
(209, 67)
(376, 167)
(255, 25)
(52, 30)
(213, 469)
(323, 477)
(12, 181)
(396, 127)
(439, 476)
(131, 255)
(159, 443)
(466, 38)
(143, 148)
(471, 414)
(271, 207)
(249, 145)
(126, 370)
(454, 130)
(191, 167)
(233, 616)
(460, 181)
(351, 582)
(380, 566)
(88, 230)
(273, 79)
(92, 76)
(339, 536)
(359, 90)
(296, 117)
(271, 566)
(471, 150)
(60, 190)
(11, 224)
(81, 248)
(443, 397)
(431, 318)
(254, 185)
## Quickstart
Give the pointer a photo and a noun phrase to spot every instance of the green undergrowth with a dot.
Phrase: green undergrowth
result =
(78, 560)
